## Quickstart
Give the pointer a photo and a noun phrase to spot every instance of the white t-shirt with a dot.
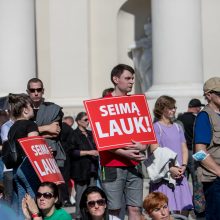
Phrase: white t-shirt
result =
(112, 217)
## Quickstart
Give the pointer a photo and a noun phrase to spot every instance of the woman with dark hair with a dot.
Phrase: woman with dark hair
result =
(47, 205)
(93, 205)
(171, 135)
(84, 158)
(25, 178)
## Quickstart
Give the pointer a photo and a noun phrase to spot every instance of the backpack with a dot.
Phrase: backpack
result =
(9, 152)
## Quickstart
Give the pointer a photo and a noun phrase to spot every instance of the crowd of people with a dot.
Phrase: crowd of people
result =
(107, 184)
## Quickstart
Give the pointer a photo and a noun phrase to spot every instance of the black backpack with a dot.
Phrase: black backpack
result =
(9, 152)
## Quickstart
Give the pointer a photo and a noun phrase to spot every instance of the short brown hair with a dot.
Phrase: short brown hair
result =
(154, 200)
(34, 80)
(162, 103)
(119, 69)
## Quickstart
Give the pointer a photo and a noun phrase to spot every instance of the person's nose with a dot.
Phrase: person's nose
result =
(163, 211)
(96, 205)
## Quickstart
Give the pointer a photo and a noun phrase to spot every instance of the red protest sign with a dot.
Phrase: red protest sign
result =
(115, 121)
(43, 162)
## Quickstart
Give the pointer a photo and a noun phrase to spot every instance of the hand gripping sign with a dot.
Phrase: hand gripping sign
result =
(43, 162)
(116, 121)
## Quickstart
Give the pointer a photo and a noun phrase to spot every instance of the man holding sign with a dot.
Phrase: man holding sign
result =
(121, 169)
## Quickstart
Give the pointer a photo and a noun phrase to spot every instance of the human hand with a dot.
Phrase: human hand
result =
(31, 204)
(54, 128)
(25, 209)
(133, 154)
(136, 146)
(176, 172)
(183, 169)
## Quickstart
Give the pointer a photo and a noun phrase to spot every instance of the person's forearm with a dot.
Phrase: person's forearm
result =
(184, 154)
(211, 165)
(209, 162)
(43, 128)
(84, 153)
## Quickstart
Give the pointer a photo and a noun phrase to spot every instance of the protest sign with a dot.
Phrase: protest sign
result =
(116, 121)
(43, 162)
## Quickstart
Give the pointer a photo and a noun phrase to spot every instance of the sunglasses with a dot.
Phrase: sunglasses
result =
(216, 93)
(99, 202)
(46, 195)
(86, 119)
(33, 90)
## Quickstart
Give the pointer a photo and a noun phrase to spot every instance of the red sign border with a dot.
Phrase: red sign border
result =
(123, 144)
(34, 138)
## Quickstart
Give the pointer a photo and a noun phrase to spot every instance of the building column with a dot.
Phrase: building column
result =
(17, 44)
(177, 50)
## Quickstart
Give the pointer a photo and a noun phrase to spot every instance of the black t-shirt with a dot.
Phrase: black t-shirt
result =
(188, 119)
(20, 129)
(35, 114)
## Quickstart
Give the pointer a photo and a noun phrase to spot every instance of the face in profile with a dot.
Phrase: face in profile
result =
(125, 82)
(96, 205)
(160, 213)
(83, 122)
(29, 111)
(45, 198)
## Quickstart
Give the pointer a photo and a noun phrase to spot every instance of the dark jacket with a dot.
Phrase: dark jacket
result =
(85, 167)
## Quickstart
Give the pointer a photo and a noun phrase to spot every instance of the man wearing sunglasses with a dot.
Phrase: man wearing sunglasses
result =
(48, 117)
(121, 168)
(50, 127)
(207, 141)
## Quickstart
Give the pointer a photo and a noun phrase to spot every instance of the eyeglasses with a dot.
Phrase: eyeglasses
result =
(99, 202)
(37, 89)
(46, 195)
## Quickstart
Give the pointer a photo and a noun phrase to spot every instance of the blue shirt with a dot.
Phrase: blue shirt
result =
(5, 129)
(203, 129)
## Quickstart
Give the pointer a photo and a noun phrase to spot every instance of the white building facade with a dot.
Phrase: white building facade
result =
(72, 45)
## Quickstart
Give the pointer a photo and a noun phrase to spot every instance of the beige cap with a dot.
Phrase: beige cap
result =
(212, 84)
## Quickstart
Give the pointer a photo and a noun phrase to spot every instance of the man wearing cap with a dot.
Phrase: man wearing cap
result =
(207, 139)
(188, 119)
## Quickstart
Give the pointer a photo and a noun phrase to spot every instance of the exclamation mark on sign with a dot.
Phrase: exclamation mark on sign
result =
(147, 123)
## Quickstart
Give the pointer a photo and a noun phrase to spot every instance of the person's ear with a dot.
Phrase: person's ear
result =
(27, 91)
(25, 110)
(115, 79)
(208, 96)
